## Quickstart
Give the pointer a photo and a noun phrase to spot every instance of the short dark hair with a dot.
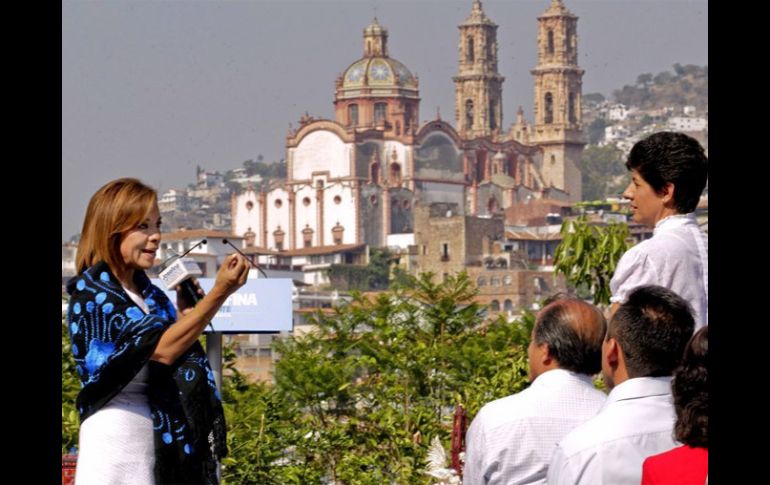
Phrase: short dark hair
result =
(573, 330)
(669, 157)
(652, 328)
(691, 393)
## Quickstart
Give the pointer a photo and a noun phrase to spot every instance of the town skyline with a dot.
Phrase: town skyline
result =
(152, 90)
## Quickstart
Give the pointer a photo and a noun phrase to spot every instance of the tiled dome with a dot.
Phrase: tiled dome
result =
(378, 72)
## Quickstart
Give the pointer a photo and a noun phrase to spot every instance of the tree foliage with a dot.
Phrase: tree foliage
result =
(379, 378)
(588, 255)
(273, 170)
(372, 277)
(596, 131)
(70, 386)
(687, 85)
(604, 173)
(359, 399)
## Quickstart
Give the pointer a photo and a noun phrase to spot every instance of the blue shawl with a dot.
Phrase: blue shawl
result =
(112, 339)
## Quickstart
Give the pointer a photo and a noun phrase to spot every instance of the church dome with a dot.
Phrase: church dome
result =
(376, 73)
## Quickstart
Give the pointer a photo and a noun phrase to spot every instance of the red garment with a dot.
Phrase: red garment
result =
(681, 466)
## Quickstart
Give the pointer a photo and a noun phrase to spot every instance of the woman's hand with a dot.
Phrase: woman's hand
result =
(183, 303)
(181, 335)
(232, 274)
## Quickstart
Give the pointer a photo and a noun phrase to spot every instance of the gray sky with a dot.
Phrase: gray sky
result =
(150, 89)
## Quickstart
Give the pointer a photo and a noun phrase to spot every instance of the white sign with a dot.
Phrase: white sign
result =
(261, 305)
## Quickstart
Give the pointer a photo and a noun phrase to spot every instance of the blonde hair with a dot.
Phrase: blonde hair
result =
(117, 207)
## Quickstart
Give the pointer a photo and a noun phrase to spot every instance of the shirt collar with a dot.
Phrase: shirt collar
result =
(555, 377)
(640, 387)
(674, 221)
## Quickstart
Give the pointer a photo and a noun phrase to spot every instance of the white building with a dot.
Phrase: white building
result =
(617, 112)
(208, 255)
(683, 123)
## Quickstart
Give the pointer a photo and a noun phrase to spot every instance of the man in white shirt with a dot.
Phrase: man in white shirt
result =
(510, 441)
(668, 174)
(645, 341)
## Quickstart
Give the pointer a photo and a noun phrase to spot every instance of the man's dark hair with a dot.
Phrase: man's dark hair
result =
(691, 393)
(669, 157)
(573, 330)
(652, 328)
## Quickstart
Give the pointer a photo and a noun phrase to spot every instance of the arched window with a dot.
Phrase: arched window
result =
(508, 305)
(469, 56)
(548, 119)
(407, 117)
(550, 41)
(395, 173)
(494, 306)
(572, 118)
(278, 235)
(492, 115)
(337, 233)
(380, 110)
(353, 115)
(468, 114)
(493, 206)
(307, 236)
(374, 173)
(568, 42)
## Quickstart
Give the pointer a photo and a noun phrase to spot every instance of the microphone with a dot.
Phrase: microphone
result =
(178, 270)
(252, 263)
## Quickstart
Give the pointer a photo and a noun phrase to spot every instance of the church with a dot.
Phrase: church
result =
(356, 179)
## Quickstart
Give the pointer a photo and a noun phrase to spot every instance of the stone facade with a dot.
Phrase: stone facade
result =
(558, 100)
(478, 85)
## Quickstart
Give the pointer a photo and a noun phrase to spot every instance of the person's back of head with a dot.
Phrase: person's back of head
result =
(690, 390)
(675, 158)
(573, 331)
(652, 329)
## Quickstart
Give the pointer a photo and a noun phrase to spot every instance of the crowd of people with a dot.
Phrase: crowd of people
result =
(652, 426)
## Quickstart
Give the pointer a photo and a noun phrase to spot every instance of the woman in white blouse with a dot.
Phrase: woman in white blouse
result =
(668, 174)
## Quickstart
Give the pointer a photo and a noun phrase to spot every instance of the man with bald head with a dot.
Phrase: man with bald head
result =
(511, 440)
(645, 342)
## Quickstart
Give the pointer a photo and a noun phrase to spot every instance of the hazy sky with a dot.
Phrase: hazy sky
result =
(150, 89)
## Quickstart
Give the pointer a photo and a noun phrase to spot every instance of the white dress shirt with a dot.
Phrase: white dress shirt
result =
(510, 441)
(676, 257)
(637, 421)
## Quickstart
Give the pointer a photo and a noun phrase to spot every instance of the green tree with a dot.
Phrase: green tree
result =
(372, 277)
(70, 386)
(596, 130)
(644, 79)
(604, 172)
(379, 378)
(592, 98)
(588, 255)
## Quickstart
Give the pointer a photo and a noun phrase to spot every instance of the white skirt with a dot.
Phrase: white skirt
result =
(116, 444)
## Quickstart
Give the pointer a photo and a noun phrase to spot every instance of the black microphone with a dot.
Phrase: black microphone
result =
(177, 270)
(250, 261)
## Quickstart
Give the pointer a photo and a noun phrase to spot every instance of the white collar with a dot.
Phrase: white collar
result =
(558, 376)
(675, 220)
